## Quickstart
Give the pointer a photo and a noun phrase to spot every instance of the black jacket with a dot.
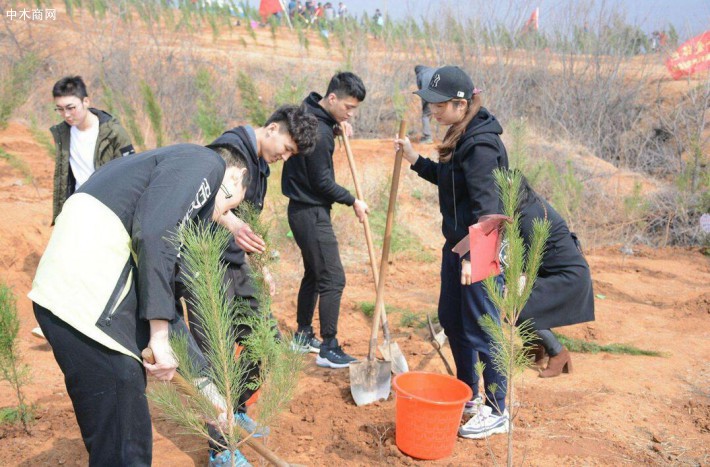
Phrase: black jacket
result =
(563, 293)
(238, 138)
(110, 263)
(310, 178)
(467, 189)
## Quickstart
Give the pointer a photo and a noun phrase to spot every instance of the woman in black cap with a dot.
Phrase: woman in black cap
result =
(468, 155)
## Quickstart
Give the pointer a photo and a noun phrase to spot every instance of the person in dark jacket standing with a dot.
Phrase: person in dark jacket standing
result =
(309, 183)
(424, 74)
(290, 130)
(468, 155)
(562, 294)
(103, 290)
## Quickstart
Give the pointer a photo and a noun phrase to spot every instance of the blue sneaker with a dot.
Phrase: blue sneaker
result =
(224, 459)
(331, 355)
(305, 341)
(246, 422)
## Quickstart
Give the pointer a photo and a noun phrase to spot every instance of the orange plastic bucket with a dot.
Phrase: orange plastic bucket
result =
(428, 412)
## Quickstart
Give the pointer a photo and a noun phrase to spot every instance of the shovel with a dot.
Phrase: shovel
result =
(370, 380)
(437, 341)
(189, 390)
(390, 350)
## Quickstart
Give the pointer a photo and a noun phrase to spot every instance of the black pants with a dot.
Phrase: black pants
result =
(324, 277)
(107, 390)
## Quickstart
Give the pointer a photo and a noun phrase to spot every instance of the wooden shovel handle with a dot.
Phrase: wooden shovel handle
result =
(191, 391)
(379, 303)
(366, 223)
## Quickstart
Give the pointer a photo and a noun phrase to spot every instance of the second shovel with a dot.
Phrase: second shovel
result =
(390, 350)
(368, 380)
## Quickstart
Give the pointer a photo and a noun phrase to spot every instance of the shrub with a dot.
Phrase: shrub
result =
(207, 117)
(11, 370)
(251, 100)
(16, 85)
(154, 111)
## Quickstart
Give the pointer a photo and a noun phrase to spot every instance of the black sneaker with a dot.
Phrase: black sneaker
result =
(305, 341)
(332, 356)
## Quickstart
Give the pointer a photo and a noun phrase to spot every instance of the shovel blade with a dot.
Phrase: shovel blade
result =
(392, 353)
(370, 381)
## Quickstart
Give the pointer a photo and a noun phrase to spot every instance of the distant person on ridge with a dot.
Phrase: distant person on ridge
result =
(309, 183)
(424, 74)
(342, 10)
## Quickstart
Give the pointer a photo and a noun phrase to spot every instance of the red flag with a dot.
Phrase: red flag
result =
(691, 57)
(532, 24)
(268, 8)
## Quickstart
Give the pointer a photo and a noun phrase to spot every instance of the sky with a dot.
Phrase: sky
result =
(689, 17)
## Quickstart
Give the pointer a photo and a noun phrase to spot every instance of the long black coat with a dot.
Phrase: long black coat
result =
(562, 294)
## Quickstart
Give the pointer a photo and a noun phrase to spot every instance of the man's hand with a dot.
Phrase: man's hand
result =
(165, 362)
(243, 234)
(248, 240)
(465, 272)
(347, 128)
(361, 210)
(269, 279)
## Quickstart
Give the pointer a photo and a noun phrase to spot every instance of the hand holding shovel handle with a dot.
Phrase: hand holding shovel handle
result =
(380, 301)
(191, 391)
(390, 350)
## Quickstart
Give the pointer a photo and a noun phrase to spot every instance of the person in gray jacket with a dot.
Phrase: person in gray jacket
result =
(103, 290)
(424, 75)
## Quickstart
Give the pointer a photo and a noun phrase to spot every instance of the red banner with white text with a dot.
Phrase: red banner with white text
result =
(691, 57)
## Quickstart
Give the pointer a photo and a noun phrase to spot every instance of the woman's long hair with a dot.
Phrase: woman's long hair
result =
(455, 131)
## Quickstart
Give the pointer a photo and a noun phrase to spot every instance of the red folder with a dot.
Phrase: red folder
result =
(483, 241)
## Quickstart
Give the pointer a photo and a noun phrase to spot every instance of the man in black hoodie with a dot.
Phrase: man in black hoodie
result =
(309, 183)
(290, 130)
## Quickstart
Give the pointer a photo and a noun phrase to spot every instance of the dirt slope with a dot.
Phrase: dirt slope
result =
(611, 410)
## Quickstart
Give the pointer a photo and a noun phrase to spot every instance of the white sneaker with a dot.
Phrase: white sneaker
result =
(37, 332)
(485, 424)
(473, 406)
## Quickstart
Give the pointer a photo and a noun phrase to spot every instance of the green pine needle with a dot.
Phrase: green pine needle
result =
(581, 346)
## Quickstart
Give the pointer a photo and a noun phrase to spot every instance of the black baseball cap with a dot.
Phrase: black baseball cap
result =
(448, 82)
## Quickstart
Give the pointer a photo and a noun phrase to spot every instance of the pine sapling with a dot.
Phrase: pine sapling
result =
(228, 374)
(11, 370)
(511, 340)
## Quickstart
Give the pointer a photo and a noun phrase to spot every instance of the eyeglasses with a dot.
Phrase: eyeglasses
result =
(64, 110)
(227, 194)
